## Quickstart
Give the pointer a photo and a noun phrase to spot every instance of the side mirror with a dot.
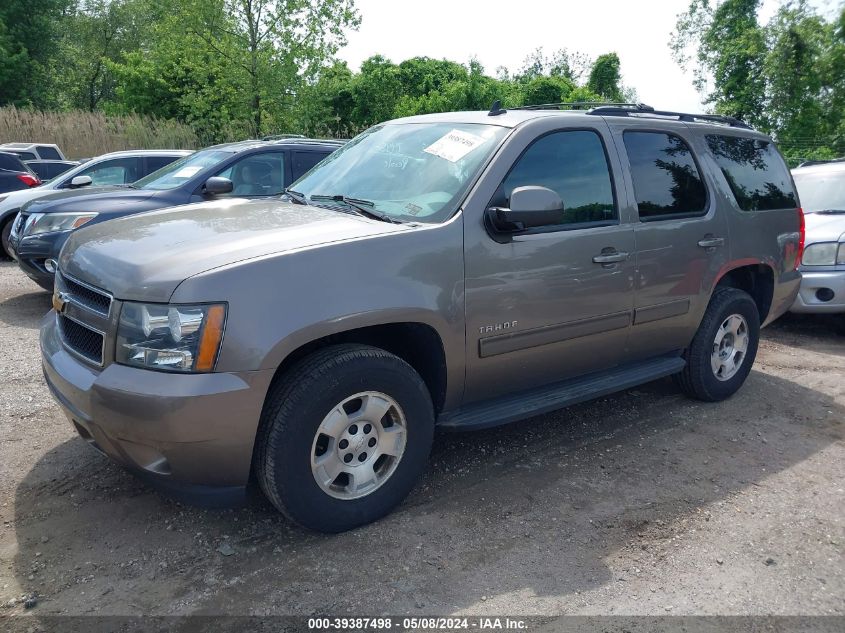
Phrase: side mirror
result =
(217, 185)
(80, 181)
(531, 207)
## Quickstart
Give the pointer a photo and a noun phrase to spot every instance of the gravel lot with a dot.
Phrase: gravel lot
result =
(640, 503)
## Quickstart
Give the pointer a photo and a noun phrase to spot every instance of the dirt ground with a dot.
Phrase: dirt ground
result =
(639, 503)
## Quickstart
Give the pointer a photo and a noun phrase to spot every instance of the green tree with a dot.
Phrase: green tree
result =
(606, 78)
(786, 77)
(730, 48)
(28, 31)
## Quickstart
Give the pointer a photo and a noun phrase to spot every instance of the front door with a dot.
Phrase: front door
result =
(554, 302)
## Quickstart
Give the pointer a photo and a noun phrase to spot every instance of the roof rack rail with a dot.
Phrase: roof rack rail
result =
(642, 109)
(821, 161)
(578, 105)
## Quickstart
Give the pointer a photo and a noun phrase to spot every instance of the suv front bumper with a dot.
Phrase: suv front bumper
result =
(191, 435)
(33, 251)
(815, 293)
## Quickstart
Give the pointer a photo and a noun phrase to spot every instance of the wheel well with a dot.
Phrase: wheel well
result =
(417, 344)
(757, 280)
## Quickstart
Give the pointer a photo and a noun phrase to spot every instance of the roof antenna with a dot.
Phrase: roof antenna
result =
(496, 108)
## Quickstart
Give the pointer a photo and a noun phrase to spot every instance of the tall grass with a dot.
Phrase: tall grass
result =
(84, 134)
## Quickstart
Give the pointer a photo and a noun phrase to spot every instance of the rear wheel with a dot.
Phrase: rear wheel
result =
(344, 436)
(5, 232)
(723, 350)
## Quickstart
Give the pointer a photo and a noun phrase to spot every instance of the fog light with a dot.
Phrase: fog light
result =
(50, 265)
(824, 294)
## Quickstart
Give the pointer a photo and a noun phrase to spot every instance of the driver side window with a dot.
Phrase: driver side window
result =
(257, 175)
(573, 164)
(120, 171)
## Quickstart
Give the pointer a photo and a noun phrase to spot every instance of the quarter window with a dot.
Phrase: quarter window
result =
(755, 172)
(572, 163)
(666, 179)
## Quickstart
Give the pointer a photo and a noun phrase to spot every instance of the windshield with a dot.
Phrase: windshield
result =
(180, 171)
(821, 191)
(414, 172)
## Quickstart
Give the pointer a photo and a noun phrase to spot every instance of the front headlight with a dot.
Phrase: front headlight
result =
(821, 254)
(55, 222)
(184, 338)
(840, 256)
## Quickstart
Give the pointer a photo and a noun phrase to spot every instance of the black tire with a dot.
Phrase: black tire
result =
(293, 412)
(698, 379)
(5, 231)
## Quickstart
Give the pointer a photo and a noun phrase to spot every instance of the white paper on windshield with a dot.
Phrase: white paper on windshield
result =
(454, 145)
(187, 172)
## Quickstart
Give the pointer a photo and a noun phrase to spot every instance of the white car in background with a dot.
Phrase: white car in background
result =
(116, 168)
(821, 188)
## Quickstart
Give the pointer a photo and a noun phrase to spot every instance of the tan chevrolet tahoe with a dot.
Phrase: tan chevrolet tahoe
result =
(450, 271)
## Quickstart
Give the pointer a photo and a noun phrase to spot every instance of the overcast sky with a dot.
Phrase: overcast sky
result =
(503, 33)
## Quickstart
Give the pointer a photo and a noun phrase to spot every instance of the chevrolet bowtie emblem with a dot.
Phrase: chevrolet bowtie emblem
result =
(60, 300)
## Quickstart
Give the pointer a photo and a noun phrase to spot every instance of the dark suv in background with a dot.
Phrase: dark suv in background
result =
(14, 175)
(114, 168)
(249, 169)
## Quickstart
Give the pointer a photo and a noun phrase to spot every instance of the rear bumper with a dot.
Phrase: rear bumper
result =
(821, 292)
(190, 435)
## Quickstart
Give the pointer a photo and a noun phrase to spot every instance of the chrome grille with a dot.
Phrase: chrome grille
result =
(87, 296)
(84, 317)
(81, 339)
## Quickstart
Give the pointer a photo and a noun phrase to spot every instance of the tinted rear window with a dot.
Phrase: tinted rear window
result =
(10, 162)
(155, 163)
(23, 155)
(666, 179)
(303, 161)
(48, 152)
(755, 172)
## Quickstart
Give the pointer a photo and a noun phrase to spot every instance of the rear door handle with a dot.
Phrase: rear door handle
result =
(610, 257)
(711, 242)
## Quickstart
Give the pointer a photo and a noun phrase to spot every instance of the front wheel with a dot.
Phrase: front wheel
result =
(724, 347)
(343, 437)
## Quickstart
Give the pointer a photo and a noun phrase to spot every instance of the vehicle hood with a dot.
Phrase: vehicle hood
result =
(88, 199)
(145, 257)
(14, 200)
(824, 227)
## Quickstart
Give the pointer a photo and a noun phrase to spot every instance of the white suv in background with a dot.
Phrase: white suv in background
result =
(821, 189)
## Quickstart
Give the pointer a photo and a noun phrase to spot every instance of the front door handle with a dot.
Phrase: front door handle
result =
(610, 257)
(711, 242)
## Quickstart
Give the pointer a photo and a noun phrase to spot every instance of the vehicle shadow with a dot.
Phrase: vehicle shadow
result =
(25, 310)
(818, 332)
(536, 508)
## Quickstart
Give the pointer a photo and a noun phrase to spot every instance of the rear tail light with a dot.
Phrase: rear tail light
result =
(29, 180)
(802, 234)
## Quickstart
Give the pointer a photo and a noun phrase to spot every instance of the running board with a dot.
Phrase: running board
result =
(552, 397)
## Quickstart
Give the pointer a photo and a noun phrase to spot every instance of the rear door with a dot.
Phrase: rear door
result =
(681, 236)
(554, 302)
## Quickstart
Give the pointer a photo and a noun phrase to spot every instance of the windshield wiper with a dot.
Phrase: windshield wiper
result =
(361, 207)
(298, 198)
(829, 211)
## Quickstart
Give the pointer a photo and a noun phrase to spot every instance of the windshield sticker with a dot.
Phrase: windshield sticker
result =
(187, 172)
(455, 145)
(413, 209)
